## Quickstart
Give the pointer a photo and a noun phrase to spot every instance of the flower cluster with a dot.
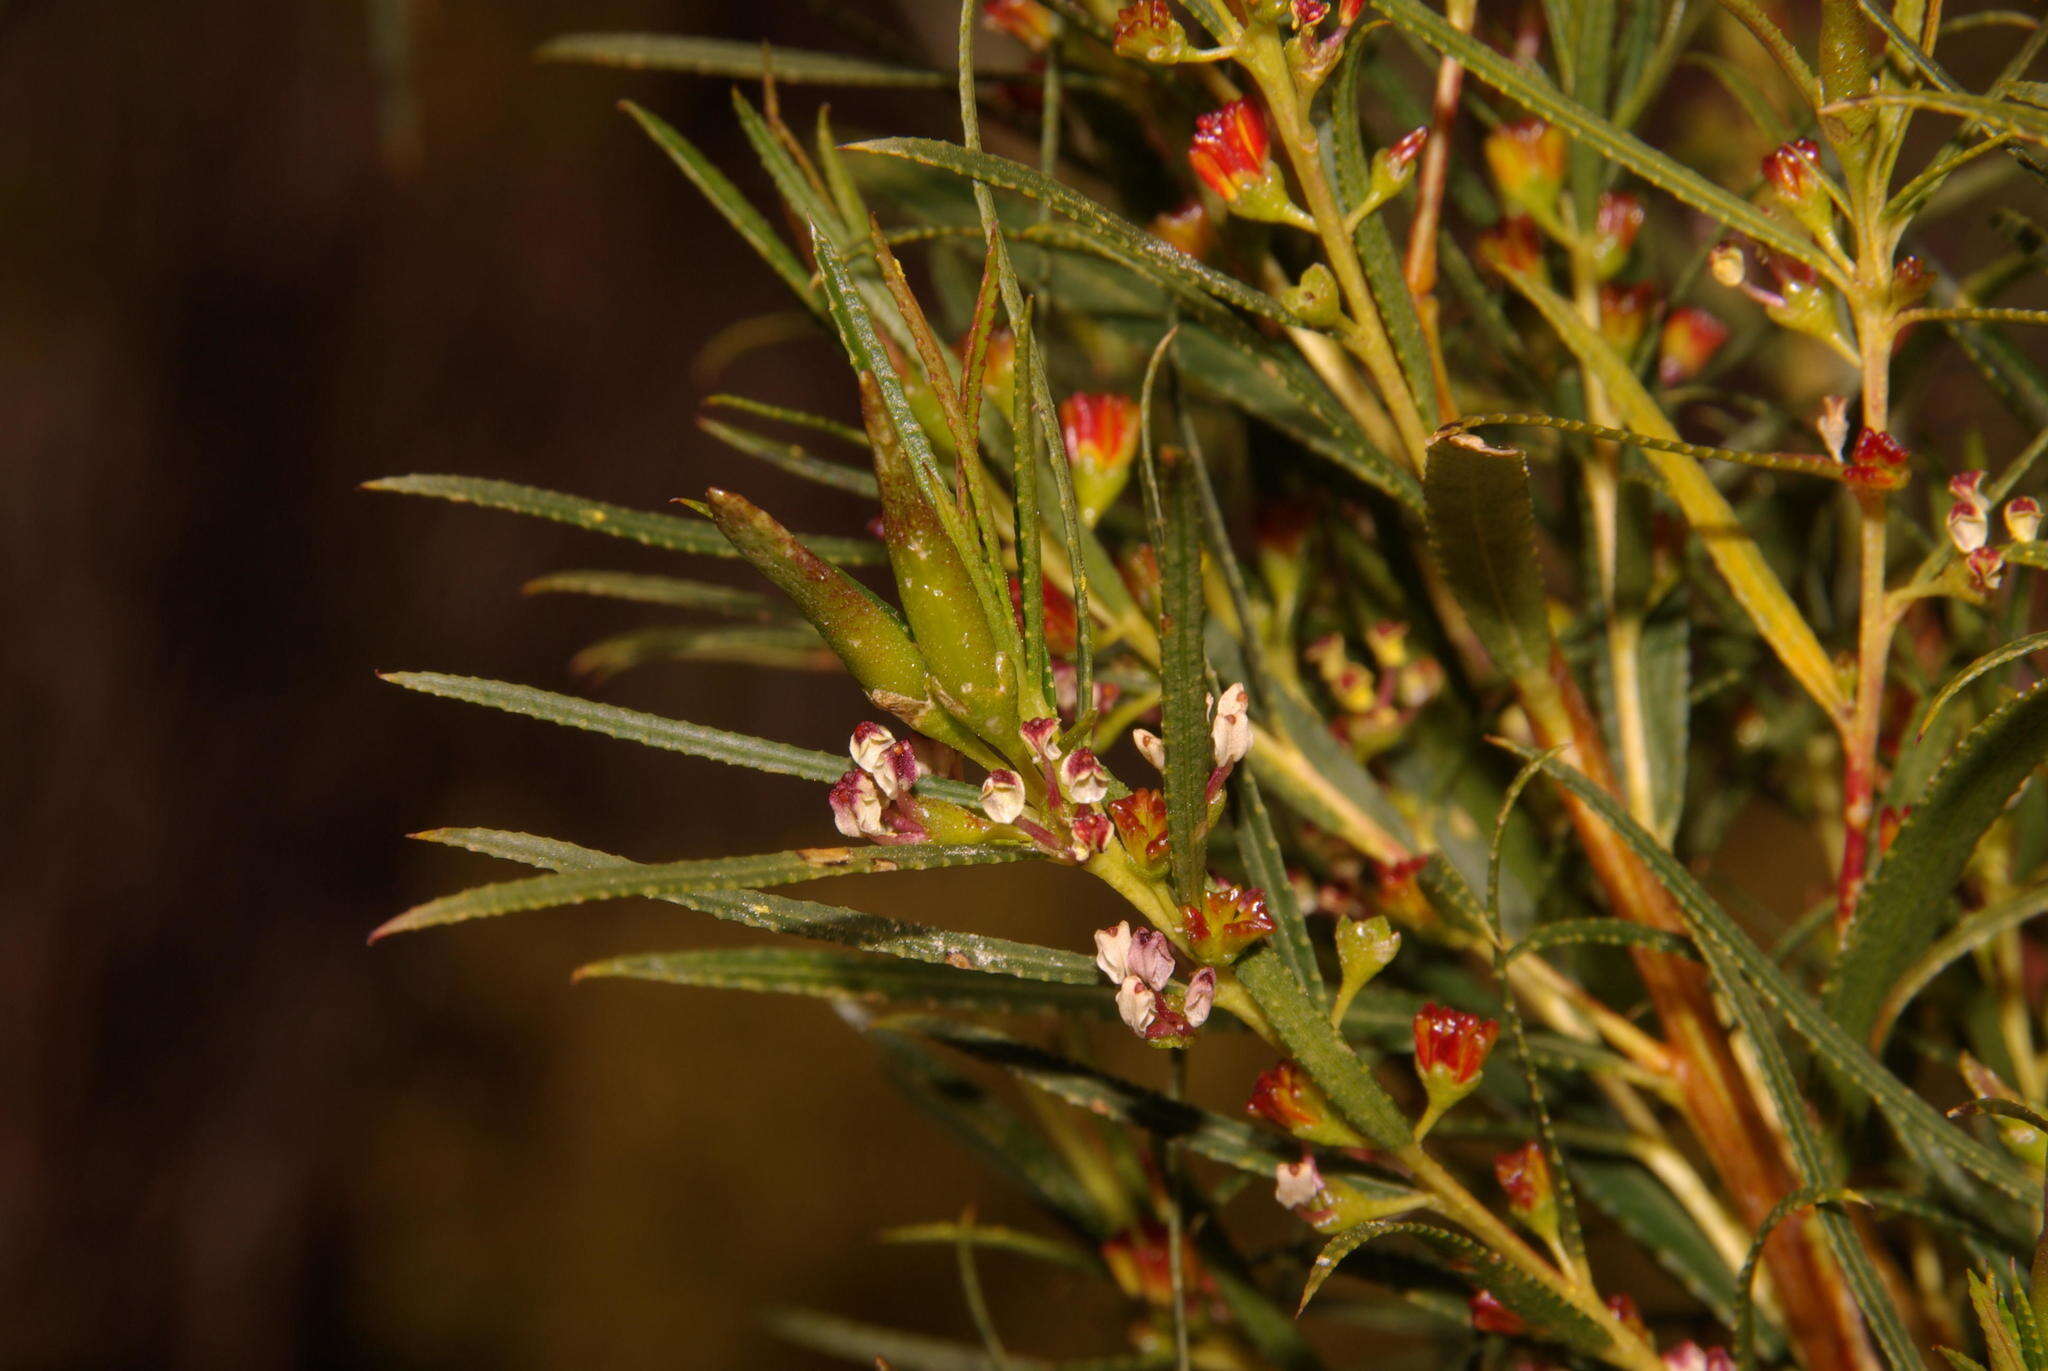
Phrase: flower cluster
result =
(1141, 965)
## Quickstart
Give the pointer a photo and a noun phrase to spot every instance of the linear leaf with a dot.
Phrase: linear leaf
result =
(1970, 933)
(996, 1239)
(792, 458)
(1482, 530)
(1266, 866)
(1989, 662)
(672, 591)
(731, 57)
(1129, 244)
(616, 521)
(1183, 673)
(1895, 919)
(725, 197)
(787, 646)
(802, 918)
(624, 880)
(652, 730)
(823, 973)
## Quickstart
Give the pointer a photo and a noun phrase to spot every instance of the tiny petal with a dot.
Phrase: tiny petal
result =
(1690, 338)
(857, 805)
(2023, 518)
(1040, 735)
(1297, 1183)
(1113, 951)
(1151, 958)
(1968, 487)
(1231, 730)
(1083, 779)
(1137, 1004)
(1987, 568)
(870, 740)
(1151, 747)
(1229, 149)
(1092, 833)
(1002, 796)
(899, 769)
(1967, 527)
(1834, 424)
(1201, 997)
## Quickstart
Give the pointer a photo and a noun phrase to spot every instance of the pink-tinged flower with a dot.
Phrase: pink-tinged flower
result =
(1968, 529)
(1625, 314)
(1229, 151)
(2023, 518)
(1967, 487)
(1113, 951)
(1617, 219)
(1489, 1315)
(1027, 21)
(1228, 920)
(1877, 462)
(1689, 341)
(1298, 1185)
(1201, 997)
(1402, 152)
(1188, 228)
(1987, 568)
(1042, 737)
(1002, 796)
(868, 744)
(1524, 1175)
(1150, 958)
(856, 805)
(1690, 1356)
(1512, 247)
(1230, 731)
(1526, 158)
(1151, 747)
(1286, 1098)
(1102, 437)
(1083, 779)
(1393, 167)
(1137, 1004)
(1092, 833)
(1140, 819)
(1309, 13)
(1148, 32)
(899, 770)
(1451, 1045)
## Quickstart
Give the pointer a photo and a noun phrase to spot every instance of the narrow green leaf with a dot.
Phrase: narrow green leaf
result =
(1482, 530)
(1183, 673)
(731, 57)
(845, 433)
(996, 1238)
(664, 531)
(774, 647)
(672, 591)
(622, 881)
(1310, 1040)
(1606, 932)
(1894, 921)
(1266, 867)
(792, 458)
(1129, 244)
(725, 197)
(1974, 931)
(822, 973)
(1977, 670)
(652, 730)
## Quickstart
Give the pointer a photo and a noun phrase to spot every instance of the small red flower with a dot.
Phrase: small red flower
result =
(1793, 169)
(1526, 158)
(1489, 1315)
(1229, 149)
(1101, 430)
(1512, 248)
(1140, 1260)
(1228, 920)
(1625, 1313)
(1140, 819)
(1148, 32)
(1027, 21)
(1616, 222)
(1625, 314)
(1524, 1174)
(1877, 462)
(1689, 341)
(1451, 1043)
(1285, 1097)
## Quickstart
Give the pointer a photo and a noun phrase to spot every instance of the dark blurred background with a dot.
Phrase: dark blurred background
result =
(231, 1135)
(253, 254)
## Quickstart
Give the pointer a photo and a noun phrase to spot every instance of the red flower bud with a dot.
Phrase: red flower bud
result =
(1524, 1174)
(1526, 158)
(1689, 341)
(1877, 462)
(1451, 1044)
(1793, 169)
(1286, 1098)
(1148, 31)
(1101, 438)
(1187, 228)
(1140, 1260)
(1027, 21)
(1229, 149)
(1625, 314)
(1512, 248)
(1616, 222)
